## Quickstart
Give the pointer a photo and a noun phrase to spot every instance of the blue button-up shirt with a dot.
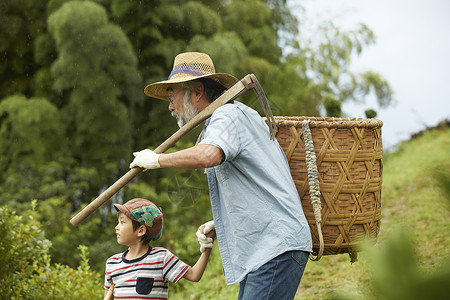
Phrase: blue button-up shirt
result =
(256, 208)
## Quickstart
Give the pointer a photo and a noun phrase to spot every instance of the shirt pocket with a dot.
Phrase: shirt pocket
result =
(144, 285)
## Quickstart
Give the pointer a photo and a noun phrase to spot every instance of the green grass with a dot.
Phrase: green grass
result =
(413, 199)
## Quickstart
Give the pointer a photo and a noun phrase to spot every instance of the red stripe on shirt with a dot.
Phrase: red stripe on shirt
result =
(181, 273)
(168, 262)
(140, 297)
(134, 280)
(115, 258)
(136, 265)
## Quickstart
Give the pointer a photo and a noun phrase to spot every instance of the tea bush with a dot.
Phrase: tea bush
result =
(26, 271)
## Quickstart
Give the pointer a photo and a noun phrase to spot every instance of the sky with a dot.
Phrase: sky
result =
(412, 52)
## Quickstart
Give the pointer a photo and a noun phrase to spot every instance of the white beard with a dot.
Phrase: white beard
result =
(189, 111)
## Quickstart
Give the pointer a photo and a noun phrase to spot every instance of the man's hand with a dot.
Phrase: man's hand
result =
(146, 159)
(206, 235)
(208, 227)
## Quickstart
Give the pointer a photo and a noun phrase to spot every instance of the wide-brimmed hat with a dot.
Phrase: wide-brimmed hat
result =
(146, 213)
(189, 66)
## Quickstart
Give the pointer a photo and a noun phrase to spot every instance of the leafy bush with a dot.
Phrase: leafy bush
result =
(332, 106)
(370, 113)
(26, 269)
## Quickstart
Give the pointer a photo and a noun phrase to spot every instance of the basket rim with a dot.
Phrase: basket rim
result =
(328, 122)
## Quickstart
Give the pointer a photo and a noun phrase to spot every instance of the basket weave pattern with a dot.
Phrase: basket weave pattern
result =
(349, 161)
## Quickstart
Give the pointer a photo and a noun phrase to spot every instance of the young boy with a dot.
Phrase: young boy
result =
(143, 271)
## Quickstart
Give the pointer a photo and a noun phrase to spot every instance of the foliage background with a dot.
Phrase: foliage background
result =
(72, 109)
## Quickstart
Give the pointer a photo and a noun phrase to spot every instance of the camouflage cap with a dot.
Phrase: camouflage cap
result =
(146, 213)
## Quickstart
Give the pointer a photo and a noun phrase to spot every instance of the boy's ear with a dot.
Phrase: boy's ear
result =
(142, 230)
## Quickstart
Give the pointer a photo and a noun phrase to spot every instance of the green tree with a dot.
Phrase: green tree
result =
(96, 73)
(31, 132)
(21, 22)
(253, 22)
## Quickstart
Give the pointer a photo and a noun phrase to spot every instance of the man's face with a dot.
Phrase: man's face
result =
(180, 104)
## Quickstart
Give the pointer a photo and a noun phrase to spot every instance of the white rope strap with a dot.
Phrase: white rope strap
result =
(313, 181)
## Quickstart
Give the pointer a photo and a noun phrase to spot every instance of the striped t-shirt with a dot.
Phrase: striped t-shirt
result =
(146, 277)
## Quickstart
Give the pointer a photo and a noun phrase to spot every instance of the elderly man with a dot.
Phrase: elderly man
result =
(264, 238)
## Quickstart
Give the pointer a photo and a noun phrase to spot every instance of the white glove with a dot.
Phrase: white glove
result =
(208, 227)
(146, 159)
(204, 241)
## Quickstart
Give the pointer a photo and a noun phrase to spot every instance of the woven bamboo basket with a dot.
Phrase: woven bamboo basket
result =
(349, 160)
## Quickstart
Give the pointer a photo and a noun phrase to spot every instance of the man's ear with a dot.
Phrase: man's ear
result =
(198, 91)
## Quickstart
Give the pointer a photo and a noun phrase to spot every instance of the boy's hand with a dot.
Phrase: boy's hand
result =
(206, 240)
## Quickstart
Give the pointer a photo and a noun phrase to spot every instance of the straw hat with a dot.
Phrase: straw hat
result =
(189, 66)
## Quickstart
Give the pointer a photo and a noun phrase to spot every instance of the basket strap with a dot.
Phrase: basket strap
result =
(313, 181)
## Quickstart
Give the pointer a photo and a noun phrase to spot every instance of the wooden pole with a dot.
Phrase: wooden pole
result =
(110, 295)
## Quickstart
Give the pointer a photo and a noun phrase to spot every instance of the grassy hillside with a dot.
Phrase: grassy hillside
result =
(415, 203)
(413, 247)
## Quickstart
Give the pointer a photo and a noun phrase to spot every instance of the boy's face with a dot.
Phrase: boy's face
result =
(125, 233)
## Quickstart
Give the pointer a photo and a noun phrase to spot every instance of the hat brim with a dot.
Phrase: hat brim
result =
(123, 209)
(159, 89)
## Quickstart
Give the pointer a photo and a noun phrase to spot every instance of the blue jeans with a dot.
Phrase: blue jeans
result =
(277, 279)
